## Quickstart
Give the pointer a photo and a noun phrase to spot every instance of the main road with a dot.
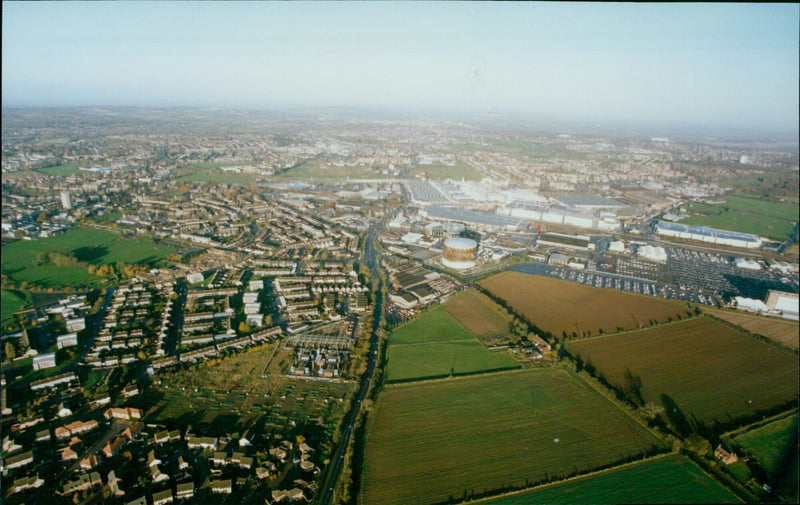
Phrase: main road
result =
(370, 258)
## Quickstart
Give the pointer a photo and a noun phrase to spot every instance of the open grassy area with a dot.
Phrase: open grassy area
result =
(455, 172)
(748, 215)
(11, 300)
(780, 330)
(315, 169)
(21, 259)
(440, 359)
(62, 170)
(711, 371)
(471, 435)
(434, 326)
(667, 479)
(771, 445)
(567, 308)
(436, 345)
(479, 315)
(216, 176)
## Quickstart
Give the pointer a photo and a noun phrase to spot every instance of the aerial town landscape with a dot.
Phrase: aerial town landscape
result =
(350, 305)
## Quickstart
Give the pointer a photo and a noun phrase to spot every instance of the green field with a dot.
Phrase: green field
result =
(314, 169)
(456, 172)
(212, 175)
(713, 372)
(669, 479)
(434, 326)
(436, 345)
(62, 170)
(770, 444)
(439, 359)
(11, 300)
(473, 435)
(20, 259)
(747, 215)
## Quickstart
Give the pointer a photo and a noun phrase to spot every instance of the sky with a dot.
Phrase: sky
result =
(708, 64)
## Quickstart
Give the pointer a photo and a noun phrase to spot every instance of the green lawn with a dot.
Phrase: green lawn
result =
(769, 444)
(466, 436)
(19, 259)
(456, 172)
(314, 169)
(748, 215)
(62, 170)
(214, 176)
(436, 345)
(434, 326)
(437, 359)
(11, 300)
(670, 479)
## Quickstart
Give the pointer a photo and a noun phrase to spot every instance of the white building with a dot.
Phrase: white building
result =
(68, 340)
(43, 361)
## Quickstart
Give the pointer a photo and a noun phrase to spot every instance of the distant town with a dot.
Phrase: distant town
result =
(218, 306)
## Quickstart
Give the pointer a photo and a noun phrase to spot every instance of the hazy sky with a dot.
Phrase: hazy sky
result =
(717, 64)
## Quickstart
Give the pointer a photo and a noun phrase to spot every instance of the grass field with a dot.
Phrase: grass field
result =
(711, 371)
(216, 176)
(747, 214)
(456, 172)
(668, 479)
(437, 359)
(779, 330)
(769, 444)
(560, 307)
(11, 300)
(475, 434)
(19, 260)
(434, 326)
(479, 315)
(62, 170)
(436, 345)
(313, 169)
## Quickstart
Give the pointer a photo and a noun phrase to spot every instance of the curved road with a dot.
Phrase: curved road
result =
(333, 471)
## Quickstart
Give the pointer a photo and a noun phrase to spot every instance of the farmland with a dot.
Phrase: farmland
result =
(436, 345)
(12, 300)
(533, 425)
(779, 330)
(565, 308)
(668, 479)
(21, 260)
(434, 326)
(711, 371)
(313, 169)
(748, 215)
(479, 315)
(770, 444)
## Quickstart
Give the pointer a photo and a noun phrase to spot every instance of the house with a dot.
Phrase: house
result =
(68, 340)
(184, 490)
(83, 482)
(44, 361)
(20, 460)
(201, 443)
(123, 413)
(63, 411)
(221, 486)
(182, 464)
(75, 428)
(26, 483)
(293, 494)
(112, 448)
(307, 466)
(113, 484)
(138, 501)
(161, 437)
(727, 457)
(89, 462)
(162, 497)
(151, 458)
(76, 325)
(156, 475)
(133, 430)
(67, 454)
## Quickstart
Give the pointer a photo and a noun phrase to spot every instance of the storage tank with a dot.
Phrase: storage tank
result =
(460, 253)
